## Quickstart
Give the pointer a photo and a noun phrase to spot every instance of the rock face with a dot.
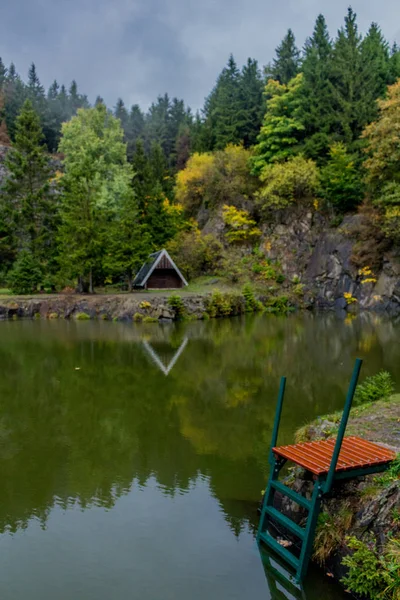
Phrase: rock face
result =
(319, 256)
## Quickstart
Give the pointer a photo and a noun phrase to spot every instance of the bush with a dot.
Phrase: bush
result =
(82, 316)
(251, 303)
(367, 575)
(25, 275)
(341, 184)
(241, 228)
(176, 303)
(296, 180)
(210, 180)
(194, 253)
(376, 387)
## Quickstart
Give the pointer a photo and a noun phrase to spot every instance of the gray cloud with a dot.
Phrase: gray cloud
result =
(137, 49)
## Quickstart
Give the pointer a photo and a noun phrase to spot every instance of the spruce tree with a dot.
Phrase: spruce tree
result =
(225, 110)
(3, 73)
(14, 96)
(29, 204)
(316, 99)
(347, 82)
(375, 58)
(286, 65)
(121, 113)
(251, 96)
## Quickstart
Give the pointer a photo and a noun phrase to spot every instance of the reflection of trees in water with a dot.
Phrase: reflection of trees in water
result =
(69, 436)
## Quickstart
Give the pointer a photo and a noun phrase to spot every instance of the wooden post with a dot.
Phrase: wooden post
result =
(343, 425)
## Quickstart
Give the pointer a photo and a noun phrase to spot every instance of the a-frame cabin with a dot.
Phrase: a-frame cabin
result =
(159, 272)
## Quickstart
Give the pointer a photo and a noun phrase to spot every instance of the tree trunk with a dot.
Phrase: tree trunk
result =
(91, 290)
(130, 282)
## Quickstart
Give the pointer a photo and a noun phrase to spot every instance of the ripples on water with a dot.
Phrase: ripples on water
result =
(133, 456)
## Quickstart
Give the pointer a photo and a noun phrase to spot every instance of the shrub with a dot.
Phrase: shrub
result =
(280, 304)
(196, 254)
(219, 305)
(82, 316)
(25, 275)
(150, 320)
(341, 184)
(367, 575)
(376, 387)
(137, 317)
(241, 228)
(285, 183)
(176, 303)
(210, 180)
(145, 305)
(251, 303)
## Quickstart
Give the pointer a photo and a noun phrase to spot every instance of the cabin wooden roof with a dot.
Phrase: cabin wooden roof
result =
(151, 263)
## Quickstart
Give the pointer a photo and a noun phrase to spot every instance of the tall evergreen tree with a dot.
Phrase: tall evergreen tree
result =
(97, 178)
(29, 205)
(251, 96)
(347, 83)
(225, 111)
(375, 59)
(3, 73)
(14, 96)
(316, 99)
(121, 113)
(286, 64)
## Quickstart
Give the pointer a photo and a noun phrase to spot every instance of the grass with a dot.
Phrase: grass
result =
(331, 531)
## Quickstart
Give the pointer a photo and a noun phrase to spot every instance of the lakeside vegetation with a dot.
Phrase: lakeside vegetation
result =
(315, 130)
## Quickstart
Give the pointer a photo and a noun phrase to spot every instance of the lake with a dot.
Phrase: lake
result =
(133, 456)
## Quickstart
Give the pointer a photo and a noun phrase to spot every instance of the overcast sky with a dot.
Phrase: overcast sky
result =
(137, 49)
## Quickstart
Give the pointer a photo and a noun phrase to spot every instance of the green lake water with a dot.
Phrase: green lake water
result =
(133, 456)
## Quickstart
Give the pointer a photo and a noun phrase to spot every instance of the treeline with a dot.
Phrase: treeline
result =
(319, 127)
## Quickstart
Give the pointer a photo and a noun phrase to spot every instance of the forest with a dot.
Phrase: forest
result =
(86, 192)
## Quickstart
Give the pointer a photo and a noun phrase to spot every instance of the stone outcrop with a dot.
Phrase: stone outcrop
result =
(123, 307)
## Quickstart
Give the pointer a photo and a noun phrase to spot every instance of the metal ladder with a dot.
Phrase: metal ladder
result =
(322, 486)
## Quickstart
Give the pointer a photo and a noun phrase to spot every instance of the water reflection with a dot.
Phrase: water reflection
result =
(88, 418)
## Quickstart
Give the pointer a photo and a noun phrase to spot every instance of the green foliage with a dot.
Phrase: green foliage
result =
(176, 303)
(96, 182)
(341, 184)
(286, 64)
(392, 474)
(367, 575)
(251, 302)
(278, 304)
(282, 128)
(376, 387)
(82, 316)
(241, 228)
(331, 531)
(196, 254)
(28, 208)
(219, 304)
(148, 319)
(295, 181)
(211, 180)
(26, 274)
(137, 317)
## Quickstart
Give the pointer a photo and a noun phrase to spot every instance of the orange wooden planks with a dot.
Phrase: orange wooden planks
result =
(316, 456)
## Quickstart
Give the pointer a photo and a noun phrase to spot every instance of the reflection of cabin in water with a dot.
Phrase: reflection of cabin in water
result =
(159, 272)
(164, 355)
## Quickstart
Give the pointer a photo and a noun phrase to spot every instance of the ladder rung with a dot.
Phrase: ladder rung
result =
(284, 581)
(285, 521)
(287, 491)
(285, 554)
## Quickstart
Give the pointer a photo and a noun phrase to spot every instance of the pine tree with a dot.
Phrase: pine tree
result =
(3, 74)
(121, 113)
(375, 58)
(224, 108)
(252, 87)
(157, 122)
(29, 204)
(350, 93)
(135, 128)
(394, 62)
(159, 168)
(99, 100)
(286, 65)
(4, 137)
(14, 96)
(316, 99)
(183, 146)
